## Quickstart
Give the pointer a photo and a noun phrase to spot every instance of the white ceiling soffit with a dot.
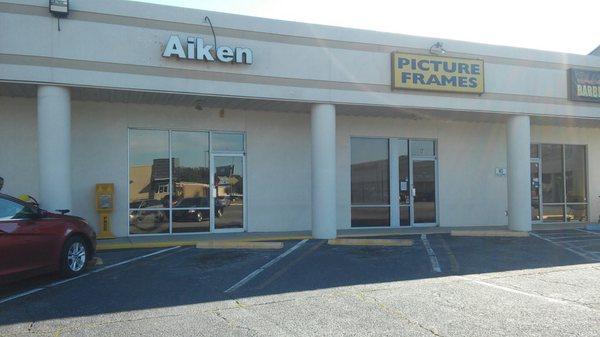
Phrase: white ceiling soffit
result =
(142, 97)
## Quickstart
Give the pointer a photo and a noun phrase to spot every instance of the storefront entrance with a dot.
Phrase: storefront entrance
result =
(186, 182)
(559, 183)
(394, 182)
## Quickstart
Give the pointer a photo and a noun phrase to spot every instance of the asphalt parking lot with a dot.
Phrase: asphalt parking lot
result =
(543, 285)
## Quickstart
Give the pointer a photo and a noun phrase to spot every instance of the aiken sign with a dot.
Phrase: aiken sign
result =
(197, 50)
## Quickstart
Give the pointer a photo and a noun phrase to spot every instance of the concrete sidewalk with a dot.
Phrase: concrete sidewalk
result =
(159, 241)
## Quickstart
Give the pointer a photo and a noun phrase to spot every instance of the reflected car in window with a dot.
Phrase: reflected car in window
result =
(147, 219)
(34, 241)
(192, 211)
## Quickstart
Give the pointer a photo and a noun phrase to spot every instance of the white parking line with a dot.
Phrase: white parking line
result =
(432, 257)
(520, 292)
(581, 252)
(57, 283)
(587, 231)
(267, 265)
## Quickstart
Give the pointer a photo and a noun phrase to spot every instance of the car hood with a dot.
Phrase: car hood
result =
(53, 215)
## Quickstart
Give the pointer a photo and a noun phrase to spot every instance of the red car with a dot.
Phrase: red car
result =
(34, 241)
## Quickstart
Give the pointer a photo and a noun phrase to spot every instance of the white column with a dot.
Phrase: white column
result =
(322, 127)
(518, 141)
(54, 147)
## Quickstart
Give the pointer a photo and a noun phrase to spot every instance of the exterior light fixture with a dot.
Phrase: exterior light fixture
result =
(437, 49)
(59, 8)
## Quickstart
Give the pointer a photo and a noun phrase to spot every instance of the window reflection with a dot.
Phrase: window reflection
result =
(564, 183)
(229, 182)
(169, 176)
(369, 171)
(552, 173)
(370, 216)
(534, 150)
(191, 168)
(554, 213)
(422, 148)
(535, 191)
(148, 221)
(224, 141)
(149, 168)
(403, 172)
(577, 213)
(575, 167)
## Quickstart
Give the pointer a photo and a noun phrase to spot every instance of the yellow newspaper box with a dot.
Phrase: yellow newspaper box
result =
(105, 195)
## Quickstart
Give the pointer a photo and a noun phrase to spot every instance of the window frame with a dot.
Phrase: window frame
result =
(170, 209)
(565, 204)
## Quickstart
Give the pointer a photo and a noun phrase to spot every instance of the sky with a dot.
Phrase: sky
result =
(563, 26)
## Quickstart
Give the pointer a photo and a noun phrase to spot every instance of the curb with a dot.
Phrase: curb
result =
(489, 233)
(221, 244)
(371, 242)
(142, 245)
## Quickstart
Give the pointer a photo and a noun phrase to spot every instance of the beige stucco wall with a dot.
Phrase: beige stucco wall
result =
(278, 158)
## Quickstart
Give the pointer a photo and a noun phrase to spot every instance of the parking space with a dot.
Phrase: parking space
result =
(484, 286)
(582, 242)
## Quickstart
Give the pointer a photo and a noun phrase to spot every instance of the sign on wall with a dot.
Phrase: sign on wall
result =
(435, 73)
(584, 85)
(196, 49)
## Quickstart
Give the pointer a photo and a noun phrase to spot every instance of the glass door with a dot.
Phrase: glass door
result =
(404, 183)
(413, 170)
(227, 193)
(423, 191)
(535, 191)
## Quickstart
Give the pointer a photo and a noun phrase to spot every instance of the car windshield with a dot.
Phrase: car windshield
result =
(13, 210)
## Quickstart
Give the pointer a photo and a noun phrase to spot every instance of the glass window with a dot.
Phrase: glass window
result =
(403, 173)
(148, 168)
(554, 213)
(169, 181)
(404, 216)
(575, 169)
(229, 182)
(148, 221)
(535, 150)
(13, 210)
(577, 213)
(535, 191)
(370, 216)
(226, 141)
(191, 169)
(552, 174)
(370, 171)
(422, 147)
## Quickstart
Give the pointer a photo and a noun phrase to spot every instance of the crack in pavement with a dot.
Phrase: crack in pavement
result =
(398, 313)
(234, 325)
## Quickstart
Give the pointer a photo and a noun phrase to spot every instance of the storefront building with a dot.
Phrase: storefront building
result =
(271, 126)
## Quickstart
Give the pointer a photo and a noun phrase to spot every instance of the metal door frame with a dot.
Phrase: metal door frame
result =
(394, 165)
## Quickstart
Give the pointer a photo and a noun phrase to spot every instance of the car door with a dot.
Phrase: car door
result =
(26, 241)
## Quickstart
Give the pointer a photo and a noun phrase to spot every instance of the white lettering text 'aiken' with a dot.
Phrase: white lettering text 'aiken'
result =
(197, 50)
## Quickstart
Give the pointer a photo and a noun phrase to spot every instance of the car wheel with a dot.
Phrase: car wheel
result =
(199, 217)
(74, 257)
